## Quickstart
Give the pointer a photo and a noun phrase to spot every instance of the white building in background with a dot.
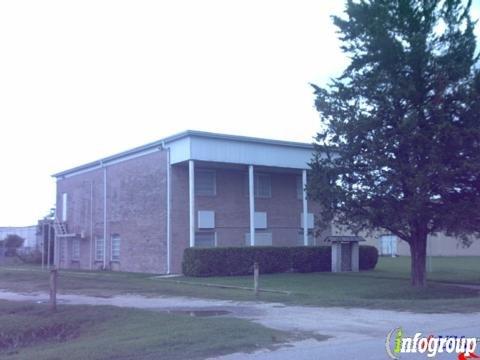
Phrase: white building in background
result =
(29, 233)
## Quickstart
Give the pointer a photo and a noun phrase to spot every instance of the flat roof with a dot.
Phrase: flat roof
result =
(4, 228)
(344, 238)
(188, 133)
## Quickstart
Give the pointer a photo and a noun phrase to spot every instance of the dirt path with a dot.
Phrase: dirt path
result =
(363, 329)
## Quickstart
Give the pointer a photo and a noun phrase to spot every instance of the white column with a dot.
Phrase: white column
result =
(355, 256)
(251, 197)
(336, 257)
(305, 208)
(191, 195)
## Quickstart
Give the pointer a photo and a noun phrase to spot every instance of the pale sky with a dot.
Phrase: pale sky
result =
(80, 80)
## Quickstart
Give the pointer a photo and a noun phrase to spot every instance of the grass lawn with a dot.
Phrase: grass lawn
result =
(462, 269)
(30, 331)
(387, 287)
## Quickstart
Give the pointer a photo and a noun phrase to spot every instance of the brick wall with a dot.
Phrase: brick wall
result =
(137, 212)
(231, 206)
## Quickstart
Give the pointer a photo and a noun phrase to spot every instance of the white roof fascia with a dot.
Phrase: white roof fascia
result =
(198, 145)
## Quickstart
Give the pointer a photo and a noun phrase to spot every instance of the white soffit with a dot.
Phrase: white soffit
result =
(180, 150)
(212, 147)
(239, 152)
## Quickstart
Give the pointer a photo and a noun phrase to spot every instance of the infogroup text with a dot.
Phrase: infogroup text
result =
(431, 345)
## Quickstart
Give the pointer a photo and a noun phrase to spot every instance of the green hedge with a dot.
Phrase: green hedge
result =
(368, 257)
(306, 259)
(226, 261)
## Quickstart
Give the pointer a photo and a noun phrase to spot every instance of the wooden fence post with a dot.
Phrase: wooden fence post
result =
(255, 278)
(53, 289)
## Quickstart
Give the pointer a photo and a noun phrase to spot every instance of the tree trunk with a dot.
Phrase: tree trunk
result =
(418, 252)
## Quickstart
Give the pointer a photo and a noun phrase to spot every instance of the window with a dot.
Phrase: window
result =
(262, 185)
(64, 206)
(261, 238)
(115, 238)
(205, 183)
(205, 239)
(76, 249)
(99, 249)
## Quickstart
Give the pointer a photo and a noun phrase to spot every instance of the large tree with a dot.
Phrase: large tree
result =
(12, 243)
(399, 147)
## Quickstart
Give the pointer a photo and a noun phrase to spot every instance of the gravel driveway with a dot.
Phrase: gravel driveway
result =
(355, 333)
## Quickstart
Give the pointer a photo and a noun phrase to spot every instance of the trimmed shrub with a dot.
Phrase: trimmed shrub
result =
(368, 257)
(311, 258)
(272, 259)
(234, 260)
(204, 262)
(227, 261)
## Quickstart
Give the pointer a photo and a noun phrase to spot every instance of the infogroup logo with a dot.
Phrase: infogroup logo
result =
(398, 343)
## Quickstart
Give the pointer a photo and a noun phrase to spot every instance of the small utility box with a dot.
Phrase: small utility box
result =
(345, 252)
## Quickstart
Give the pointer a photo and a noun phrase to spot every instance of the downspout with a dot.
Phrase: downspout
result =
(91, 225)
(168, 209)
(104, 216)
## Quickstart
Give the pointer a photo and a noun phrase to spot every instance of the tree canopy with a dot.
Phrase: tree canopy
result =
(12, 242)
(399, 147)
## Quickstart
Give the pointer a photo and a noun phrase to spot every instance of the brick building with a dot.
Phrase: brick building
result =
(138, 210)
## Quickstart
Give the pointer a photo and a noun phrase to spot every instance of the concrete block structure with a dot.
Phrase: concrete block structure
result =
(345, 253)
(138, 210)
